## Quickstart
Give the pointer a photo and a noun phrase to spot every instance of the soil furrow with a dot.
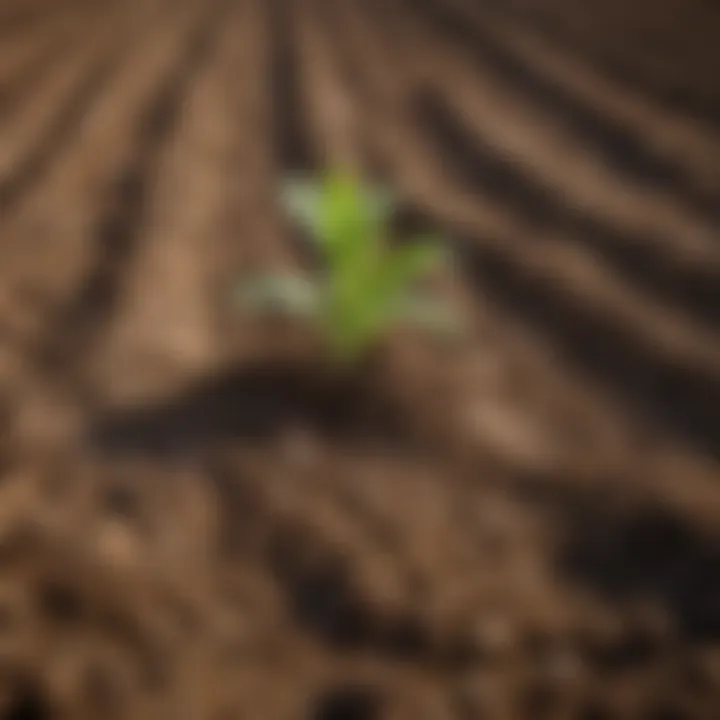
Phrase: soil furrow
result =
(645, 259)
(57, 223)
(533, 138)
(291, 139)
(48, 121)
(25, 58)
(332, 116)
(669, 150)
(72, 334)
(653, 53)
(15, 21)
(639, 233)
(164, 330)
(268, 105)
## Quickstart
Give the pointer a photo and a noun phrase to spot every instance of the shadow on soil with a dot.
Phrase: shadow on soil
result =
(628, 552)
(254, 403)
(648, 554)
(348, 703)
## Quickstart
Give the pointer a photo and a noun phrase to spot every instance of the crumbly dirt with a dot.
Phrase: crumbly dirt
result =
(198, 521)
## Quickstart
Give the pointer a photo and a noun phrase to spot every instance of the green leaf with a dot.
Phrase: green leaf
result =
(402, 266)
(337, 211)
(302, 200)
(284, 294)
(367, 309)
(432, 315)
(346, 226)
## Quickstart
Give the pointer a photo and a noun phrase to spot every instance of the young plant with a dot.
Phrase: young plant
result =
(367, 286)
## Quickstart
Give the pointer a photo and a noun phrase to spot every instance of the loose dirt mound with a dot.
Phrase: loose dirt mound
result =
(196, 523)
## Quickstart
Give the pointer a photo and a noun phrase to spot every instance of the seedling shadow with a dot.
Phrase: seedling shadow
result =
(253, 404)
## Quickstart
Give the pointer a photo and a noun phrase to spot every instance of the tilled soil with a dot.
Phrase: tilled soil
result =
(197, 522)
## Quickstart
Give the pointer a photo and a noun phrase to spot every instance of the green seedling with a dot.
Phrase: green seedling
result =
(366, 286)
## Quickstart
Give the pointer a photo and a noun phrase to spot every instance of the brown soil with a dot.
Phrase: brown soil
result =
(197, 522)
